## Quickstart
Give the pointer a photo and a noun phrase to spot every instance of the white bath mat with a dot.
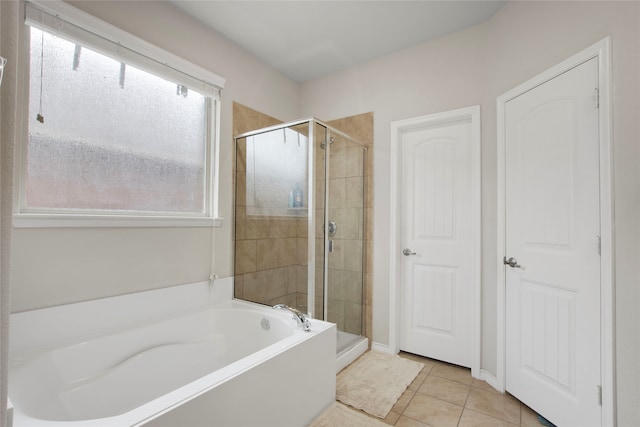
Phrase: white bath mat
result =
(338, 415)
(375, 382)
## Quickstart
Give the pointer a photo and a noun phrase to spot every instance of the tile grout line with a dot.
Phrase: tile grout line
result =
(415, 392)
(470, 389)
(464, 406)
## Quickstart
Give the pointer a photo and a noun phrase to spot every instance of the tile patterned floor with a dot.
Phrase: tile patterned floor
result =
(444, 395)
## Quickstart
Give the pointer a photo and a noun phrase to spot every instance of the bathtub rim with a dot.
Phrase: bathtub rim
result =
(47, 326)
(32, 352)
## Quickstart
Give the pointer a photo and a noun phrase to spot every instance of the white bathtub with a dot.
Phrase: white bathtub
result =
(224, 363)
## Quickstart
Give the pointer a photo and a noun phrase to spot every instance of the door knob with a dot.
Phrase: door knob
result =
(407, 252)
(511, 262)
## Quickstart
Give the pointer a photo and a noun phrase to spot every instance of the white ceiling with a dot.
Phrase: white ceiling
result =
(306, 40)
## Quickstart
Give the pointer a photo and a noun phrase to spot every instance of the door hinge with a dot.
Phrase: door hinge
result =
(600, 395)
(596, 98)
(599, 245)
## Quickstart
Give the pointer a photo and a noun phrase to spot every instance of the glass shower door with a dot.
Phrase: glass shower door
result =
(344, 237)
(271, 216)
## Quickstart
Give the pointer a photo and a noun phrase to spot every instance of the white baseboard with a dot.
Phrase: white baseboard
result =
(382, 348)
(489, 378)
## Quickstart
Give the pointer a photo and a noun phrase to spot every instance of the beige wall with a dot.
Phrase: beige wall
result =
(56, 266)
(474, 67)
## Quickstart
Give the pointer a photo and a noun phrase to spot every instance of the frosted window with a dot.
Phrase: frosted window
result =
(114, 137)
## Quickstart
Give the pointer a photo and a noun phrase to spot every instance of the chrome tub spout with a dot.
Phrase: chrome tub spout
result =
(299, 316)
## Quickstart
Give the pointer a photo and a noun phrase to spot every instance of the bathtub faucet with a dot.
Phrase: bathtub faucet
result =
(299, 316)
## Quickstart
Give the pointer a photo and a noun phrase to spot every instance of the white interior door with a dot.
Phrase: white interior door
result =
(437, 225)
(552, 235)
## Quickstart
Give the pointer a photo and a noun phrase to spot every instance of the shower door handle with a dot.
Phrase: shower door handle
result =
(333, 228)
(407, 252)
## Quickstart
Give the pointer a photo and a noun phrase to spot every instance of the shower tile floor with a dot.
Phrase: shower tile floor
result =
(445, 395)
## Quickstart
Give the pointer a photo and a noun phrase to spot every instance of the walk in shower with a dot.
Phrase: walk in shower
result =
(299, 223)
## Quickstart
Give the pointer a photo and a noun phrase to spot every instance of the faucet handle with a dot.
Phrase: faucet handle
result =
(291, 309)
(298, 316)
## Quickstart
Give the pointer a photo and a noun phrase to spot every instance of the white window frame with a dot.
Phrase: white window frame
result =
(103, 36)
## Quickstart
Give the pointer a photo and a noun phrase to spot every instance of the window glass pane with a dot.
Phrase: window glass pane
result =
(114, 137)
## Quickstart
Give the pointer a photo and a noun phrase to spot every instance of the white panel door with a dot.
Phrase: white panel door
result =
(552, 234)
(437, 224)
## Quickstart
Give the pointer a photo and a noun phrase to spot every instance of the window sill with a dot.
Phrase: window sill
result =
(33, 220)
